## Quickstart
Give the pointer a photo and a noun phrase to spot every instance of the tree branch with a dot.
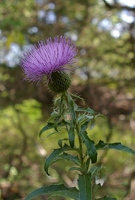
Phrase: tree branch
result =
(118, 6)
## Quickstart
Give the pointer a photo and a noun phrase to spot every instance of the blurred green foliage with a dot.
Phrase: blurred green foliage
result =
(105, 37)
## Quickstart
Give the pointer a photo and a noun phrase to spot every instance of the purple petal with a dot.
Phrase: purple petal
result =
(48, 56)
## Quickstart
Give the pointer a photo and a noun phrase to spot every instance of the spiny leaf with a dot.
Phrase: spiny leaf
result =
(101, 115)
(91, 149)
(47, 127)
(61, 141)
(78, 97)
(92, 123)
(81, 118)
(75, 169)
(55, 190)
(53, 157)
(70, 157)
(56, 156)
(84, 118)
(84, 126)
(117, 146)
(54, 126)
(87, 110)
(95, 170)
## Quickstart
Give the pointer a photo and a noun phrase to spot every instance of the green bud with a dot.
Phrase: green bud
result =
(59, 81)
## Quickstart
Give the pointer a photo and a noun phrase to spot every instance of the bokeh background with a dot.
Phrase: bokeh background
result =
(104, 32)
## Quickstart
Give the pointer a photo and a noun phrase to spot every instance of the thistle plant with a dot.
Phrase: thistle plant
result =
(49, 59)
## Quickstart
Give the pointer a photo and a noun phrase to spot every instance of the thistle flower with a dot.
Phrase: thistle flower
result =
(49, 58)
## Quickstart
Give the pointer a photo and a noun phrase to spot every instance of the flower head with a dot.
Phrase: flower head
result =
(48, 57)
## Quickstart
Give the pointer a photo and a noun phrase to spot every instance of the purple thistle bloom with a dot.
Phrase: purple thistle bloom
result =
(47, 57)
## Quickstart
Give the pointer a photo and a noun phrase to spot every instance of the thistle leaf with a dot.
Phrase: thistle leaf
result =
(60, 142)
(117, 146)
(75, 169)
(55, 190)
(56, 155)
(47, 127)
(70, 157)
(91, 149)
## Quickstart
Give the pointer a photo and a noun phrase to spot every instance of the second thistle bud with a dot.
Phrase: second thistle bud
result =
(59, 81)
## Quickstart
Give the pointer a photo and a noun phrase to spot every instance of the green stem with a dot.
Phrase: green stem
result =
(85, 187)
(66, 95)
(84, 181)
(80, 146)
